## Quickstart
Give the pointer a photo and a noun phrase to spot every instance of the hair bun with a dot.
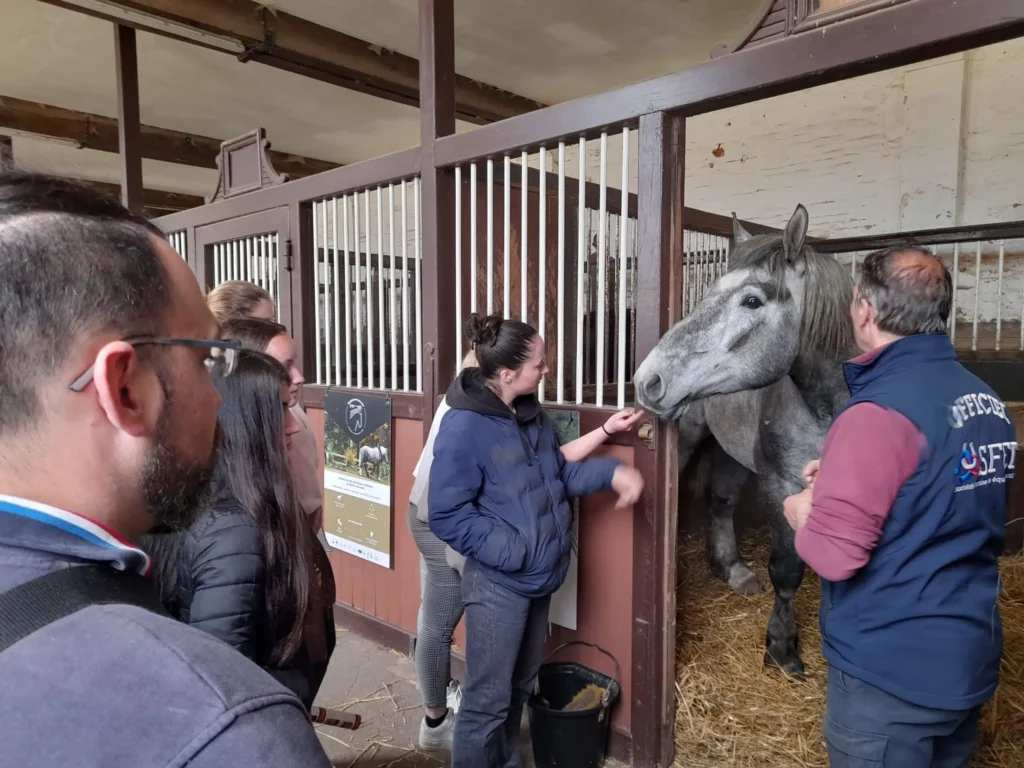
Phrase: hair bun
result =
(483, 330)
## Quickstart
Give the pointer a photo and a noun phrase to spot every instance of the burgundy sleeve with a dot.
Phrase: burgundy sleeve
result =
(868, 454)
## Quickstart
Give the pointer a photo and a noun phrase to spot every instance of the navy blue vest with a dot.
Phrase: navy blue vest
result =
(921, 619)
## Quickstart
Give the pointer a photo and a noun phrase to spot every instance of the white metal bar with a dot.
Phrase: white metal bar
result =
(458, 266)
(348, 292)
(328, 352)
(316, 299)
(601, 245)
(999, 295)
(956, 281)
(275, 276)
(369, 292)
(507, 293)
(216, 265)
(419, 288)
(542, 249)
(249, 261)
(977, 297)
(686, 272)
(391, 286)
(490, 236)
(581, 255)
(472, 237)
(357, 287)
(405, 294)
(623, 231)
(524, 270)
(339, 288)
(560, 372)
(261, 260)
(381, 349)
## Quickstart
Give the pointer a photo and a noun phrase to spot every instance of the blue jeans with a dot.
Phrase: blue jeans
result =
(865, 727)
(505, 636)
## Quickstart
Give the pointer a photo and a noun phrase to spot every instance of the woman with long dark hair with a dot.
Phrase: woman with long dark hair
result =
(244, 570)
(499, 495)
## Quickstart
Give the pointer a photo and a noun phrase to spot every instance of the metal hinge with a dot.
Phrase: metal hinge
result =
(288, 254)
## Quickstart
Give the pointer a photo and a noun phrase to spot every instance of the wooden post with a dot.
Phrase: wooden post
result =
(659, 293)
(128, 118)
(437, 201)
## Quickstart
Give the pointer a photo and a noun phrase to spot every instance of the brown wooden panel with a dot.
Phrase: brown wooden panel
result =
(390, 594)
(605, 596)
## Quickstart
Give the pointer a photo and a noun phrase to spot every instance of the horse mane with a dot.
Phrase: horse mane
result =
(825, 328)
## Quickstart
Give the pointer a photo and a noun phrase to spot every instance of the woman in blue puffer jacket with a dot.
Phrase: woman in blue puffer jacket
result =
(498, 494)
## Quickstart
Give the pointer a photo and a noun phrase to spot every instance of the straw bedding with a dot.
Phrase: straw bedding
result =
(732, 712)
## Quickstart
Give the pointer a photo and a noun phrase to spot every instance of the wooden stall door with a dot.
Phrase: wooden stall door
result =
(257, 248)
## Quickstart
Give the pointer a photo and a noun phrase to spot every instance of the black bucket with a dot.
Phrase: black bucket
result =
(570, 739)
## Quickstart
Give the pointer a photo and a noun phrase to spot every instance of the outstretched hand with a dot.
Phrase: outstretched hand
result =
(629, 484)
(624, 420)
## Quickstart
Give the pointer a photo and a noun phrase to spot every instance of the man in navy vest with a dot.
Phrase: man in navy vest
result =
(903, 520)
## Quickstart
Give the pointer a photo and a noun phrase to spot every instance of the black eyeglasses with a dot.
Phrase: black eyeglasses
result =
(220, 362)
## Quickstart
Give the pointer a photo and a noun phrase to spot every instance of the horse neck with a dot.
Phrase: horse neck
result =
(821, 382)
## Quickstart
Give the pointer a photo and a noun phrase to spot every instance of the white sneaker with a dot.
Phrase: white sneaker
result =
(454, 696)
(440, 737)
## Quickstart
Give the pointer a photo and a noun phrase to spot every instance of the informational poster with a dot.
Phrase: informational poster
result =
(563, 602)
(358, 515)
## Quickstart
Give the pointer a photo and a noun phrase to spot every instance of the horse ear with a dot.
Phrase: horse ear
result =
(796, 233)
(739, 234)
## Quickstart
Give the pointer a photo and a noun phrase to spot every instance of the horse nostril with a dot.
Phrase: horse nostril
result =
(654, 388)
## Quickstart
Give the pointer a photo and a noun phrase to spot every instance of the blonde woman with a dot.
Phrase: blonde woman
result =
(441, 604)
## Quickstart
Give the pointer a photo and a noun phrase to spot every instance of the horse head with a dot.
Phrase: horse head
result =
(780, 300)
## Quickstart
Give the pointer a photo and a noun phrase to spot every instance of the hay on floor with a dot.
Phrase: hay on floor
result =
(733, 712)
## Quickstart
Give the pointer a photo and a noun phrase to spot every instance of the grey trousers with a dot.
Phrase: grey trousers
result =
(440, 611)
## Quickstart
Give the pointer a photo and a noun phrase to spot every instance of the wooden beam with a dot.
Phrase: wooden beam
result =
(289, 42)
(91, 131)
(437, 201)
(659, 298)
(126, 64)
(157, 202)
(6, 154)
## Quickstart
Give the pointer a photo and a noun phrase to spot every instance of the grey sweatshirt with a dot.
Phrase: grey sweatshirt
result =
(116, 685)
(421, 482)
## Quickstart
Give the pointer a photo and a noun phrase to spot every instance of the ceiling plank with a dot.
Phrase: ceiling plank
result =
(156, 201)
(289, 42)
(90, 131)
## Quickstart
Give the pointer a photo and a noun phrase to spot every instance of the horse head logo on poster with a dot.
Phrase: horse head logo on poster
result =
(355, 417)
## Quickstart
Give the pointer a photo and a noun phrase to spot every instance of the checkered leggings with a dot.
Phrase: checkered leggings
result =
(440, 611)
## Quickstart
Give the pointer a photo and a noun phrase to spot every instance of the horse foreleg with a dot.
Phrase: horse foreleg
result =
(786, 570)
(728, 477)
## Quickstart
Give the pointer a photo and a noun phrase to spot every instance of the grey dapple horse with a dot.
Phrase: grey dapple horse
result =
(758, 365)
(372, 456)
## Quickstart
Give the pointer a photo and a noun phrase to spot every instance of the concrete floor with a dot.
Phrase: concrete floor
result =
(380, 685)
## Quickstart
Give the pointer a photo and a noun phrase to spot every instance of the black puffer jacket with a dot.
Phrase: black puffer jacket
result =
(212, 577)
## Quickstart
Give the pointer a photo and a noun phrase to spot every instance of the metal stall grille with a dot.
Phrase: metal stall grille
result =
(179, 242)
(367, 314)
(555, 246)
(988, 291)
(253, 259)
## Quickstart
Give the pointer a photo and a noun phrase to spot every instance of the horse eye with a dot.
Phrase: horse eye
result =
(752, 302)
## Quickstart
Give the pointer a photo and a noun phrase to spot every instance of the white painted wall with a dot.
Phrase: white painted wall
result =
(937, 144)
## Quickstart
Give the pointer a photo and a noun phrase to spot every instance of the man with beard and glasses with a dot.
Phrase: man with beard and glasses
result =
(108, 430)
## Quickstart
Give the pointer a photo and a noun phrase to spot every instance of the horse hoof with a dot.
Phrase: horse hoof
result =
(790, 665)
(744, 581)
